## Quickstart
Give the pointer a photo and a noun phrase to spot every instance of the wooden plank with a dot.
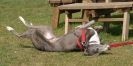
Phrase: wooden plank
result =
(61, 1)
(76, 20)
(110, 19)
(87, 1)
(67, 1)
(95, 5)
(54, 1)
(125, 26)
(107, 1)
(100, 19)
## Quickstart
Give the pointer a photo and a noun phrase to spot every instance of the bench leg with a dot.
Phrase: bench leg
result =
(68, 15)
(66, 23)
(125, 30)
(55, 17)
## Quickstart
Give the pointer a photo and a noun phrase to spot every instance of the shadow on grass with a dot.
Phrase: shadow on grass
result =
(25, 46)
(105, 53)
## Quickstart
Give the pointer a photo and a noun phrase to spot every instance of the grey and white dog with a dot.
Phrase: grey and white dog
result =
(44, 39)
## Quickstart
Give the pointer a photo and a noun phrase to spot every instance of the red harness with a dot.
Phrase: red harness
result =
(82, 40)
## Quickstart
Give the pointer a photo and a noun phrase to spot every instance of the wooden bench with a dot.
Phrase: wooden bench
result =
(95, 6)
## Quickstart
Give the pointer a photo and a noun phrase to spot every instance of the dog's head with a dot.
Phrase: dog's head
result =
(95, 49)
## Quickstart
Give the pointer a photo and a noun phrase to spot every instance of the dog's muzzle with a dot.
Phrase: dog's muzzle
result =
(95, 49)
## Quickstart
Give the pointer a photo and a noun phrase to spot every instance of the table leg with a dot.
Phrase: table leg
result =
(125, 29)
(68, 15)
(55, 17)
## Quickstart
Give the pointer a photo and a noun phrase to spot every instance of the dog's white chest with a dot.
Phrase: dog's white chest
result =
(95, 38)
(48, 36)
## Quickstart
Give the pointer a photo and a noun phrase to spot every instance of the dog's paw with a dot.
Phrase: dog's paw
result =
(9, 28)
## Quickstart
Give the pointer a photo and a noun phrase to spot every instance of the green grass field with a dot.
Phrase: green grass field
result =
(20, 52)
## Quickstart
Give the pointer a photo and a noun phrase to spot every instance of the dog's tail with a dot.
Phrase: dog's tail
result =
(12, 30)
(24, 22)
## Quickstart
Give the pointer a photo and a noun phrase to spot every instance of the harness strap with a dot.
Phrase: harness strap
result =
(83, 36)
(81, 40)
(79, 44)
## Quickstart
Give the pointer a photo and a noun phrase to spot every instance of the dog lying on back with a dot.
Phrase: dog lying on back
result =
(44, 39)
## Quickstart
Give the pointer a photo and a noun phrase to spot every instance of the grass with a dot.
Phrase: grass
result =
(20, 52)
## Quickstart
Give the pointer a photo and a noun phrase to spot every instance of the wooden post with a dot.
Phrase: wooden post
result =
(55, 17)
(125, 25)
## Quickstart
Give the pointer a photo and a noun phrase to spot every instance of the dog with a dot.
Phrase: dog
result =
(44, 39)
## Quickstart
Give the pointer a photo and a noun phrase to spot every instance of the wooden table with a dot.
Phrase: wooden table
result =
(95, 6)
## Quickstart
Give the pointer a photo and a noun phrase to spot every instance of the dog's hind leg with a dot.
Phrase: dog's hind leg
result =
(23, 35)
(24, 22)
